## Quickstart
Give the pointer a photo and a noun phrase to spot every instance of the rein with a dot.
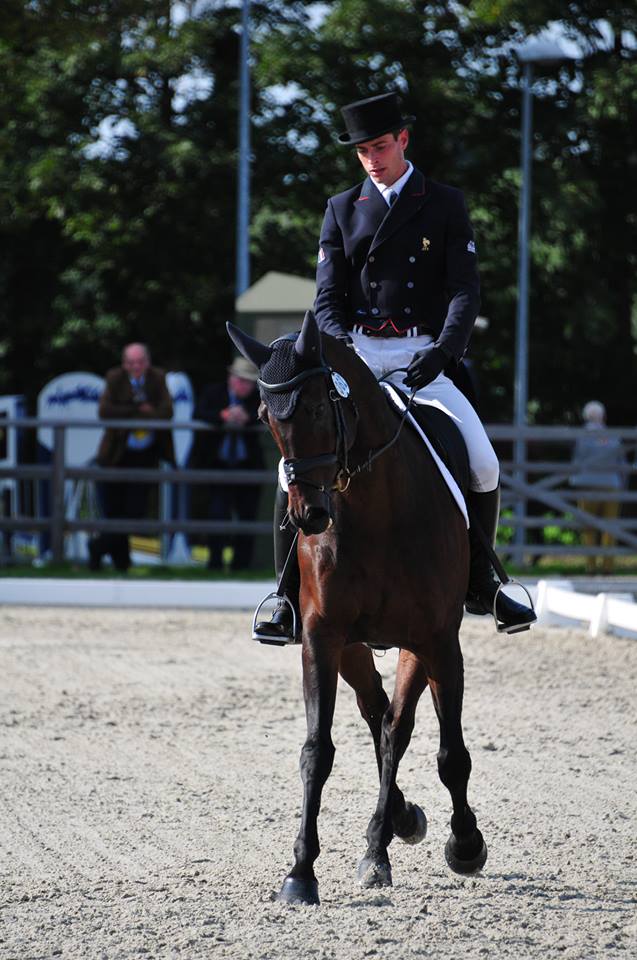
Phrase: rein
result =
(375, 453)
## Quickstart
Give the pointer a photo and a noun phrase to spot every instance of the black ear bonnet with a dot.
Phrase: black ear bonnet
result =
(281, 378)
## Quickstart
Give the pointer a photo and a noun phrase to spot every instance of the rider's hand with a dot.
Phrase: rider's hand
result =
(425, 366)
(345, 339)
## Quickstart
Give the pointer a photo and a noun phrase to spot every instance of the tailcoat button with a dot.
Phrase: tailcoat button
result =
(371, 259)
(410, 284)
(373, 284)
(407, 310)
(412, 259)
(375, 310)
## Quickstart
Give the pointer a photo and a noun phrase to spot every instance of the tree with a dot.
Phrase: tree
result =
(117, 204)
(454, 72)
(118, 148)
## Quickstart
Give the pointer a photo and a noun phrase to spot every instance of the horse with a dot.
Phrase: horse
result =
(384, 560)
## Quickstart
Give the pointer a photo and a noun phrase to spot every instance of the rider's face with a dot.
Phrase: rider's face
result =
(383, 158)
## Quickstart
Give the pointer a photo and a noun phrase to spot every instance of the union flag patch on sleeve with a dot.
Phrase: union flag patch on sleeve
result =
(321, 255)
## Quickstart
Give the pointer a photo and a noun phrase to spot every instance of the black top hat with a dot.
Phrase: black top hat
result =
(366, 119)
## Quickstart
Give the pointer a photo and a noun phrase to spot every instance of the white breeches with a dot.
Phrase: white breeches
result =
(383, 354)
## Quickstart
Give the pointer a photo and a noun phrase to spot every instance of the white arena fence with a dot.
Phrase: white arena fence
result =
(556, 602)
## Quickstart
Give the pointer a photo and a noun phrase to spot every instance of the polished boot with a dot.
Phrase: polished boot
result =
(484, 509)
(279, 629)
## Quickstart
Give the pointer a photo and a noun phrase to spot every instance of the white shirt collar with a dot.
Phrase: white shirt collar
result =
(398, 185)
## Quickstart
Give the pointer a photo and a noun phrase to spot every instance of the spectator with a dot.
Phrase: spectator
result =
(597, 458)
(135, 391)
(233, 405)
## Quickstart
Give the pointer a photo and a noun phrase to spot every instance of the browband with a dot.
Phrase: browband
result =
(291, 384)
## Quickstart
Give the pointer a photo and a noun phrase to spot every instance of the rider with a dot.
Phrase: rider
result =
(397, 280)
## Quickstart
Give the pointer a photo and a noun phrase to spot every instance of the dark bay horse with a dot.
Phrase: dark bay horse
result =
(383, 559)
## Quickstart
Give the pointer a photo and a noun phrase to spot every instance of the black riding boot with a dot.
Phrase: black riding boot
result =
(280, 629)
(485, 509)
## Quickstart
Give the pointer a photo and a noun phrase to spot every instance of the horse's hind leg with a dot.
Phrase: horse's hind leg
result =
(358, 670)
(466, 850)
(397, 726)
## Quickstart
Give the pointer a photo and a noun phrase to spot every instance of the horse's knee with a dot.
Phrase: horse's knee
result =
(396, 731)
(454, 767)
(373, 703)
(317, 756)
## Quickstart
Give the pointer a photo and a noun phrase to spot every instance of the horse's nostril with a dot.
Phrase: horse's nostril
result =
(315, 520)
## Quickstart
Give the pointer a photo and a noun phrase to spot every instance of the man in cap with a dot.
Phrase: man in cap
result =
(397, 279)
(232, 405)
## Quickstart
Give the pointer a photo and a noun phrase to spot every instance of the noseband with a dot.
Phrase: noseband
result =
(296, 468)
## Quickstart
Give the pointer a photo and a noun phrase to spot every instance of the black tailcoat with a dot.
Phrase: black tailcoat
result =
(414, 262)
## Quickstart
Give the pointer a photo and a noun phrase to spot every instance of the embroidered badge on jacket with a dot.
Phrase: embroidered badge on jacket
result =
(425, 245)
(471, 247)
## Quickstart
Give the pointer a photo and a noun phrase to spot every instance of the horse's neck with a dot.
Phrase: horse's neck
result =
(377, 424)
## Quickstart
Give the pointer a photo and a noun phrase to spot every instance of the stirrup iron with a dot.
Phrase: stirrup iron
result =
(510, 628)
(276, 641)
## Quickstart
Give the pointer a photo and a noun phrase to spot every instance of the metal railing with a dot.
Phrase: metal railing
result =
(537, 494)
(58, 473)
(535, 491)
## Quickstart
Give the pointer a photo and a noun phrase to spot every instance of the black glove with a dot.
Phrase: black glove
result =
(425, 366)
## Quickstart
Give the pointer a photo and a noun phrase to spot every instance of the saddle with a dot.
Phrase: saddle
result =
(447, 441)
(442, 434)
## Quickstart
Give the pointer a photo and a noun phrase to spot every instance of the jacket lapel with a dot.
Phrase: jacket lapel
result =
(411, 199)
(370, 205)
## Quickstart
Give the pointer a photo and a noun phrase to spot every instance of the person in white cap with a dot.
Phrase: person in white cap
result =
(232, 404)
(598, 458)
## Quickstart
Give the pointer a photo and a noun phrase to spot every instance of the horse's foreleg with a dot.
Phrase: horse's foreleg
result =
(320, 672)
(358, 670)
(466, 850)
(397, 727)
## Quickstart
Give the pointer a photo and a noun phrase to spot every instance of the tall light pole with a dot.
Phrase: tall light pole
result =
(541, 52)
(242, 262)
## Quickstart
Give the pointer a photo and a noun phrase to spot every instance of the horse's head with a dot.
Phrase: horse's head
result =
(308, 407)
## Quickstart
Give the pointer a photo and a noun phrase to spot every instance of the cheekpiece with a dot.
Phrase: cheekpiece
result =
(373, 117)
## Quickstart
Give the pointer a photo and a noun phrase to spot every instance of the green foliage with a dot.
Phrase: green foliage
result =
(101, 245)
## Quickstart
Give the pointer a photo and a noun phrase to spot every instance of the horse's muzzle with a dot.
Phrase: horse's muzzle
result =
(311, 520)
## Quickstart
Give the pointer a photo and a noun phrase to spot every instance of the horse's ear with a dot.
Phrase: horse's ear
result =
(248, 347)
(308, 344)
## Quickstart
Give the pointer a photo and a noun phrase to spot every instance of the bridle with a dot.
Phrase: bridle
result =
(296, 468)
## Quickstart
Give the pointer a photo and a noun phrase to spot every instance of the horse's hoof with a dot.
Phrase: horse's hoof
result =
(374, 873)
(299, 891)
(416, 824)
(469, 862)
